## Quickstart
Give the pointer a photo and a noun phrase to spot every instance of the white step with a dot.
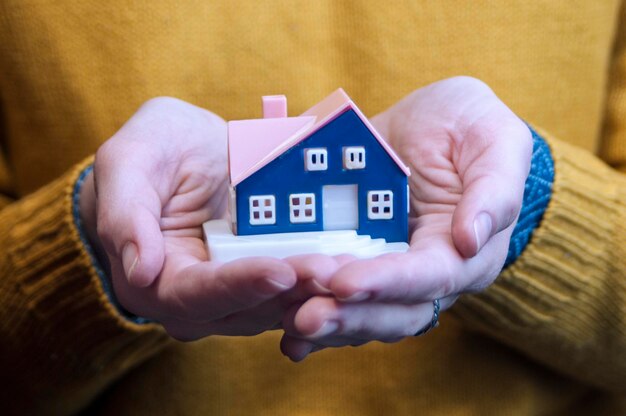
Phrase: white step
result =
(224, 246)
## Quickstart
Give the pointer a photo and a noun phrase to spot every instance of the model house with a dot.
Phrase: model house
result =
(327, 169)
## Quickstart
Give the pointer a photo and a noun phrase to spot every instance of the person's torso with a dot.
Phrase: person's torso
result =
(72, 72)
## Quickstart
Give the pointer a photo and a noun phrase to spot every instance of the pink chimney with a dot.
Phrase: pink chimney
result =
(274, 106)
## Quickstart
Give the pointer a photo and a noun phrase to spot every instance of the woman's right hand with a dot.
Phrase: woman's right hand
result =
(154, 183)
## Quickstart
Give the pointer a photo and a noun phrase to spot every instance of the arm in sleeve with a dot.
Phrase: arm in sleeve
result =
(63, 341)
(562, 302)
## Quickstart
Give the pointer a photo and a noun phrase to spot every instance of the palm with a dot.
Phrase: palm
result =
(159, 178)
(469, 156)
(446, 133)
(200, 195)
(436, 189)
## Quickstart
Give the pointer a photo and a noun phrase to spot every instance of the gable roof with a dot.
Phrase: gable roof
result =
(252, 144)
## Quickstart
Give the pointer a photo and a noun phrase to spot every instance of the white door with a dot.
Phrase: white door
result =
(341, 207)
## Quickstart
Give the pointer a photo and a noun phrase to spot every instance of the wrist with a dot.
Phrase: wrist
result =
(537, 195)
(85, 219)
(89, 217)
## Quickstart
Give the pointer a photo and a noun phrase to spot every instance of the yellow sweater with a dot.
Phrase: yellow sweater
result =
(549, 337)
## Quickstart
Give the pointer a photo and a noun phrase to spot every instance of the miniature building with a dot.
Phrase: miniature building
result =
(327, 169)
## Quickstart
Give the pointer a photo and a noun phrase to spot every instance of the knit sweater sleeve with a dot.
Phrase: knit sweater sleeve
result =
(63, 341)
(563, 301)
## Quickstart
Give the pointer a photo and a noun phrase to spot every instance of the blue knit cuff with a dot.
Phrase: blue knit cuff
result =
(106, 282)
(537, 194)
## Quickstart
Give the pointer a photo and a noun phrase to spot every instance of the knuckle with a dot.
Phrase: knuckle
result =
(236, 297)
(510, 209)
(162, 102)
(484, 130)
(483, 282)
(104, 227)
(469, 81)
(448, 286)
(447, 279)
(105, 154)
(413, 328)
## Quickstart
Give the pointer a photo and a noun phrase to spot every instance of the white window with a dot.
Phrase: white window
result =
(316, 159)
(354, 157)
(380, 205)
(262, 210)
(301, 208)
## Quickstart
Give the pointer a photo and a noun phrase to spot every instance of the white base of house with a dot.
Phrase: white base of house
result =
(224, 246)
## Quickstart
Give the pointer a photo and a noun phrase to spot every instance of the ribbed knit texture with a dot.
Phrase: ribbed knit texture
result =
(105, 280)
(566, 294)
(71, 73)
(62, 340)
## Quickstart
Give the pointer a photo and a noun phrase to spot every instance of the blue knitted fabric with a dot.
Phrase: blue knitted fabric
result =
(106, 283)
(537, 194)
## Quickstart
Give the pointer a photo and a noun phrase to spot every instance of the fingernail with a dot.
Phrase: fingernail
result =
(302, 354)
(316, 287)
(272, 286)
(482, 229)
(129, 259)
(327, 328)
(356, 297)
(280, 283)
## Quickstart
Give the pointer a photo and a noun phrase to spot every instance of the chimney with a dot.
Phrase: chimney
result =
(274, 106)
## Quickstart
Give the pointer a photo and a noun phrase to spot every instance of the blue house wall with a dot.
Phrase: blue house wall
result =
(286, 175)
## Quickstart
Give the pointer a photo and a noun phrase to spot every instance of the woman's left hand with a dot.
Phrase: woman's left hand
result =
(469, 157)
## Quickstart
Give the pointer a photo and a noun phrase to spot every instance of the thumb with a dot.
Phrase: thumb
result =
(493, 188)
(129, 210)
(487, 207)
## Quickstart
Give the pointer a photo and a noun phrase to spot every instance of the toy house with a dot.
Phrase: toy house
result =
(327, 169)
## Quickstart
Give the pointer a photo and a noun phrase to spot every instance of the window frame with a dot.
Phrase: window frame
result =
(358, 152)
(262, 208)
(380, 205)
(304, 206)
(316, 159)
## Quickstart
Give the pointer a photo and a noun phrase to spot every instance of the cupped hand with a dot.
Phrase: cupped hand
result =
(469, 157)
(155, 182)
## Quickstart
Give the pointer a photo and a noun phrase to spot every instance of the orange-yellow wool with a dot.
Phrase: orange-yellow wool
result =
(548, 333)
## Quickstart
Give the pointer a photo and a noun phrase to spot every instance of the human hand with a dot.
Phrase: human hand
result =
(469, 157)
(156, 181)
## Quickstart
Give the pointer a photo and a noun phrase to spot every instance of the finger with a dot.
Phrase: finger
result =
(298, 349)
(325, 321)
(293, 344)
(314, 272)
(128, 223)
(418, 275)
(141, 167)
(316, 267)
(209, 291)
(264, 317)
(295, 349)
(493, 167)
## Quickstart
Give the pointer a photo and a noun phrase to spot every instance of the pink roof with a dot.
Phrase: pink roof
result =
(253, 144)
